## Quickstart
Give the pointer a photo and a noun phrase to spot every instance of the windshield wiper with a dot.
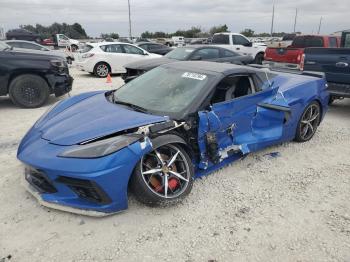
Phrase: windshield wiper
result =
(135, 107)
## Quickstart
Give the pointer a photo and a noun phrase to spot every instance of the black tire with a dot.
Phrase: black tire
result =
(74, 48)
(69, 60)
(259, 58)
(29, 91)
(308, 122)
(331, 100)
(145, 191)
(102, 69)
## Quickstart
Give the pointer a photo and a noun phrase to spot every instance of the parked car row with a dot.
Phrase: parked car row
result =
(188, 53)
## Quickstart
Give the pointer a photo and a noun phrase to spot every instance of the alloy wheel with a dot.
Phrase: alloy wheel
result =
(102, 70)
(309, 121)
(165, 171)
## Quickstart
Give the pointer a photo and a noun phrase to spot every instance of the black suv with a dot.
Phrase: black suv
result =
(29, 78)
(22, 34)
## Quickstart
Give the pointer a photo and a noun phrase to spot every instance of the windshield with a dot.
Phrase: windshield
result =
(86, 48)
(4, 46)
(307, 41)
(221, 39)
(164, 91)
(180, 53)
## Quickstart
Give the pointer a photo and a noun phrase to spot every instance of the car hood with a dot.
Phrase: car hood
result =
(91, 118)
(39, 52)
(148, 64)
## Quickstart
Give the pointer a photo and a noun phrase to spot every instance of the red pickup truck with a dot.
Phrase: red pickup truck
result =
(291, 56)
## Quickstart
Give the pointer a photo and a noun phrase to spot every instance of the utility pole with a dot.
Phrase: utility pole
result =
(273, 16)
(129, 20)
(295, 19)
(319, 26)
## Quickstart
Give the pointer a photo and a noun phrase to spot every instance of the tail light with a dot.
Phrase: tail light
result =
(302, 62)
(87, 55)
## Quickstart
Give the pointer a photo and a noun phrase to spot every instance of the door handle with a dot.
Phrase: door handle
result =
(237, 48)
(341, 64)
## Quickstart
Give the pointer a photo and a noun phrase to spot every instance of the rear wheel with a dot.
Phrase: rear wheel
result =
(259, 58)
(163, 176)
(102, 69)
(29, 91)
(308, 122)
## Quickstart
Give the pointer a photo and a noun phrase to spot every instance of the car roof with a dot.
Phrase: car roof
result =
(21, 41)
(213, 67)
(150, 43)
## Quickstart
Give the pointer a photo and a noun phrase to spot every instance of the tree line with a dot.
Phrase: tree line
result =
(75, 31)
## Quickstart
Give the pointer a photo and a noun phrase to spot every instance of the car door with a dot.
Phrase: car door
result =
(114, 55)
(63, 40)
(206, 54)
(133, 53)
(240, 125)
(241, 44)
(229, 56)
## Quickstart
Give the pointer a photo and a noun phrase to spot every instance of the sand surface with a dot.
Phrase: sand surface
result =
(293, 207)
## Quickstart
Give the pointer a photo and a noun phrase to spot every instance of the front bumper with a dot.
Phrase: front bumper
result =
(131, 74)
(82, 186)
(63, 85)
(339, 90)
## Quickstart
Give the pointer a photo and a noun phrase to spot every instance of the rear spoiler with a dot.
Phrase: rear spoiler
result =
(290, 71)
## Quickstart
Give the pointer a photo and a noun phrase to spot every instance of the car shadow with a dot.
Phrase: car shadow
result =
(6, 103)
(340, 108)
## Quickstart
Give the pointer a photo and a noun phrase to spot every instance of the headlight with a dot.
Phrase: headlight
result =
(59, 65)
(100, 148)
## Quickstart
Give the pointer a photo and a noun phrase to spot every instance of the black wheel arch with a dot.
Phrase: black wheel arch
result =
(173, 138)
(41, 74)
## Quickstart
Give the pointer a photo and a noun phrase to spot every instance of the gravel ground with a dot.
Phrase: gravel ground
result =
(290, 207)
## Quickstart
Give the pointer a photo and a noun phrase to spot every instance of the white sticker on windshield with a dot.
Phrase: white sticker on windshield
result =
(194, 76)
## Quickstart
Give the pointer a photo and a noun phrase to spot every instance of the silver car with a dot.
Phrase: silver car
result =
(33, 47)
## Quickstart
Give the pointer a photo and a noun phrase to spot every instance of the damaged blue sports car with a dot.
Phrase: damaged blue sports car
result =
(159, 132)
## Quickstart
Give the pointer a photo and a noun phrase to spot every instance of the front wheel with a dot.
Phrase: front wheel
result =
(163, 176)
(29, 91)
(308, 123)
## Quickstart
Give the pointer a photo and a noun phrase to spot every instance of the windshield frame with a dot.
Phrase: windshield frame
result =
(192, 107)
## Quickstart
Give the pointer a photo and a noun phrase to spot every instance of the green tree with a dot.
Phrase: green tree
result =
(248, 32)
(218, 29)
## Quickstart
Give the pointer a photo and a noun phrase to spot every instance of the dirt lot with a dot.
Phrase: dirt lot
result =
(291, 207)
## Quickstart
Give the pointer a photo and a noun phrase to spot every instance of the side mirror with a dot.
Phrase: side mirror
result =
(196, 58)
(145, 53)
(249, 44)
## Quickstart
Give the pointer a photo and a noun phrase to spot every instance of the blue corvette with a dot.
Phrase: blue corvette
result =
(158, 132)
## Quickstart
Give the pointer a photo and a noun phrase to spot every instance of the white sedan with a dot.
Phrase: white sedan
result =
(110, 57)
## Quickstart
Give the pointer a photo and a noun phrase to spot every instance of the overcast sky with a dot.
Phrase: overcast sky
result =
(102, 16)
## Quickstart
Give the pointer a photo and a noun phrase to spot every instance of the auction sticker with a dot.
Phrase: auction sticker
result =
(194, 76)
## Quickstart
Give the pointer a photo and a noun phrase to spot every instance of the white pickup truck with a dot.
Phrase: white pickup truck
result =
(64, 41)
(240, 44)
